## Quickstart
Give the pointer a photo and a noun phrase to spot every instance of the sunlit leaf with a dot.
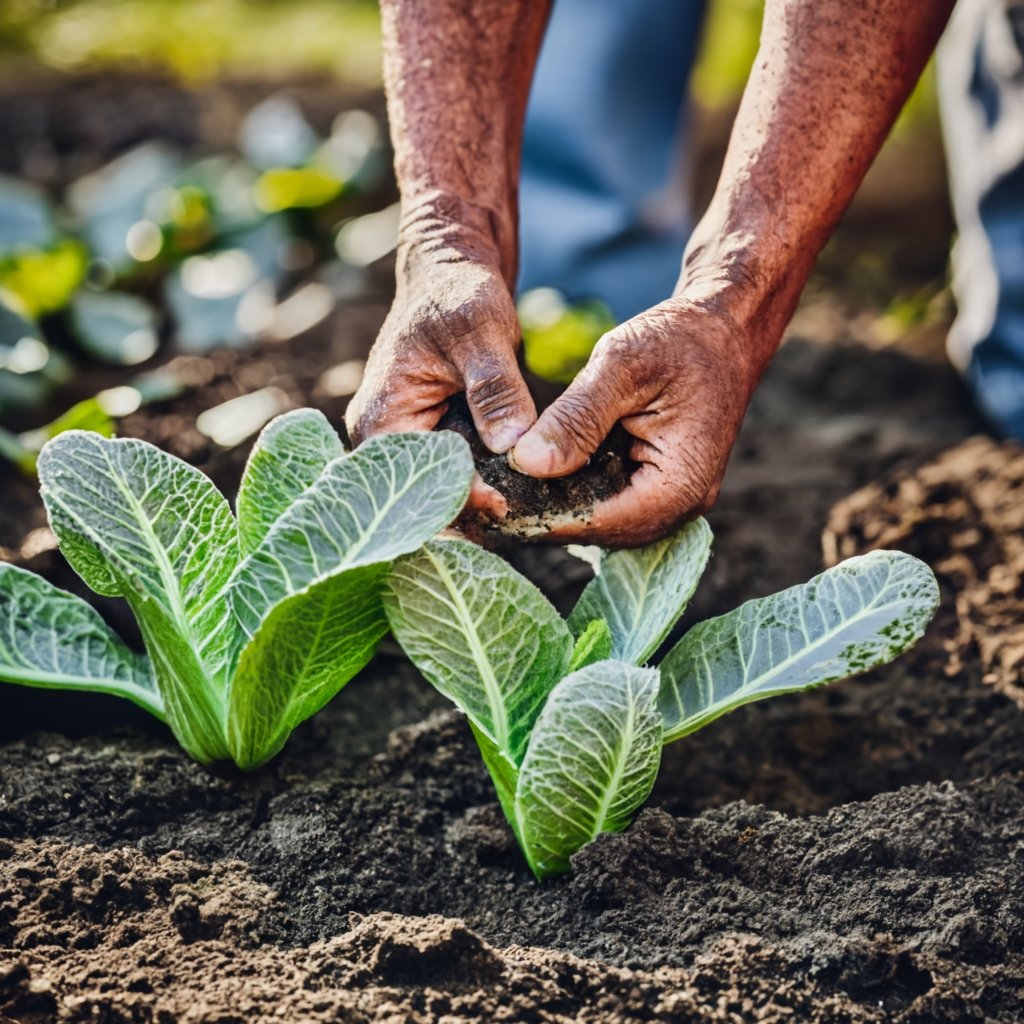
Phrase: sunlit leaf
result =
(288, 457)
(595, 643)
(44, 280)
(481, 633)
(138, 523)
(54, 640)
(642, 592)
(855, 616)
(287, 188)
(310, 593)
(592, 760)
(557, 337)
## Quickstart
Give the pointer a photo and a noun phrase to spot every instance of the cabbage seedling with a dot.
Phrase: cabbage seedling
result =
(251, 624)
(569, 720)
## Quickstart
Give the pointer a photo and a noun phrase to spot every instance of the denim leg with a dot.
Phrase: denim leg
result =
(981, 82)
(602, 201)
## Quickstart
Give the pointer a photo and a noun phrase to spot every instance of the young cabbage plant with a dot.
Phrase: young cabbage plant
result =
(251, 624)
(571, 722)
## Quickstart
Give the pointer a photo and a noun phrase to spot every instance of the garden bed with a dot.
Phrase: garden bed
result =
(852, 854)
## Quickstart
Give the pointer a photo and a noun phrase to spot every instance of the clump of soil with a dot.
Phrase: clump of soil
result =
(534, 503)
(963, 513)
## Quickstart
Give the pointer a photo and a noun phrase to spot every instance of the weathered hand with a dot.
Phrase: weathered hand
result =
(452, 327)
(678, 377)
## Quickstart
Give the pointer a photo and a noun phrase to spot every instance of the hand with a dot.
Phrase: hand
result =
(678, 377)
(452, 327)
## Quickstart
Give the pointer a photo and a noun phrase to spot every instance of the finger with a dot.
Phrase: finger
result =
(655, 504)
(570, 430)
(499, 400)
(484, 498)
(642, 513)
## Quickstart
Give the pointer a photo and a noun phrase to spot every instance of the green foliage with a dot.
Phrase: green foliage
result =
(222, 235)
(558, 337)
(571, 732)
(199, 39)
(251, 625)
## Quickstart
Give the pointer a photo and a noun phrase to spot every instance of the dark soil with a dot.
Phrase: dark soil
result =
(533, 502)
(850, 855)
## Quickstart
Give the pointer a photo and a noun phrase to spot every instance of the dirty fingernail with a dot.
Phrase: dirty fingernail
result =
(506, 436)
(531, 453)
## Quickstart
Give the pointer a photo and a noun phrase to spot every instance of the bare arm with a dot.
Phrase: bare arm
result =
(457, 75)
(828, 82)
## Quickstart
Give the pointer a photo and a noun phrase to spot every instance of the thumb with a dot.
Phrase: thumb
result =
(570, 430)
(498, 397)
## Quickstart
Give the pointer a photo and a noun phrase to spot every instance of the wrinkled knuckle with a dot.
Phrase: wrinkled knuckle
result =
(579, 430)
(492, 394)
(624, 351)
(696, 488)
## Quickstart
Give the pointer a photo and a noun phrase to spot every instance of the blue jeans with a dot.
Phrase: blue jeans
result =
(603, 211)
(981, 88)
(602, 200)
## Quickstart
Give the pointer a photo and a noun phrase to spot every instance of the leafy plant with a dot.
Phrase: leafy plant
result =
(569, 720)
(558, 337)
(251, 624)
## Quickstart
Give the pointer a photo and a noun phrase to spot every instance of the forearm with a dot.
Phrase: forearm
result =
(829, 79)
(457, 75)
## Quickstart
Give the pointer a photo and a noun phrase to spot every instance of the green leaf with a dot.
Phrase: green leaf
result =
(557, 337)
(291, 452)
(43, 281)
(481, 634)
(593, 644)
(309, 646)
(642, 593)
(139, 523)
(591, 762)
(504, 774)
(855, 616)
(310, 593)
(23, 450)
(381, 501)
(52, 639)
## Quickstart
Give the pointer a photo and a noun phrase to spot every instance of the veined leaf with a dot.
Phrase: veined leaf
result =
(52, 639)
(482, 634)
(289, 455)
(504, 774)
(308, 647)
(641, 593)
(137, 522)
(592, 760)
(593, 644)
(311, 592)
(855, 616)
(381, 501)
